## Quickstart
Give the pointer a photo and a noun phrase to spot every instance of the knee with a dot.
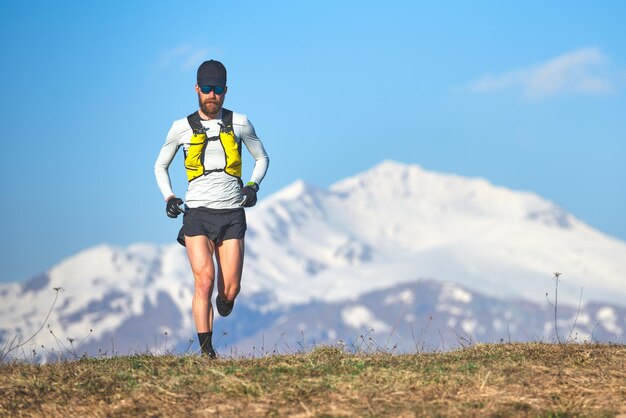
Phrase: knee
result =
(204, 282)
(231, 292)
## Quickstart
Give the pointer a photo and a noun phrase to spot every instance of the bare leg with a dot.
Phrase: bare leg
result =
(200, 250)
(230, 261)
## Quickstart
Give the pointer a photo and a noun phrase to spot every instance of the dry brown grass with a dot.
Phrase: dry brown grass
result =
(495, 380)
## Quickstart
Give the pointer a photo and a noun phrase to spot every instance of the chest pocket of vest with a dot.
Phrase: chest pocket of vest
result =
(232, 152)
(194, 156)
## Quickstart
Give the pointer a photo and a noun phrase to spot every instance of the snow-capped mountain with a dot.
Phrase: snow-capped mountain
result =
(310, 253)
(397, 222)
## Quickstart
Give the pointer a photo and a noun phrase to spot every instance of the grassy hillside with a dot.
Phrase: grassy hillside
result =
(497, 379)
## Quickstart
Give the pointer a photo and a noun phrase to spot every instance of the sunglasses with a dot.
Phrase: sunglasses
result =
(216, 89)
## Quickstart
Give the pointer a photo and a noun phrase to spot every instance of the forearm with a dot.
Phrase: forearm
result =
(163, 181)
(260, 168)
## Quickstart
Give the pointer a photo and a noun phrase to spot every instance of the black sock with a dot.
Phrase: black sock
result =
(205, 341)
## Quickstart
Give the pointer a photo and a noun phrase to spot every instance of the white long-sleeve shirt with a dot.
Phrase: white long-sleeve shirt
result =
(215, 190)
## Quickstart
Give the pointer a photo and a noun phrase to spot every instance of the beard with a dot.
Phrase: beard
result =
(210, 107)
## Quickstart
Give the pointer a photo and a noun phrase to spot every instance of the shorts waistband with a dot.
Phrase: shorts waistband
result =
(211, 210)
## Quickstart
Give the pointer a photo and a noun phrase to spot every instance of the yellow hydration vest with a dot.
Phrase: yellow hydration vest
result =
(194, 155)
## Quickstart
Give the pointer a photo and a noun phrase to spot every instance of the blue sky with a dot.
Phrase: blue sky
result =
(529, 95)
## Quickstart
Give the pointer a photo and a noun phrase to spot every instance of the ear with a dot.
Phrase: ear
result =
(197, 89)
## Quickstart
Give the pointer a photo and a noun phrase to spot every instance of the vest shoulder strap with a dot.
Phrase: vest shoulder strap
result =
(194, 122)
(227, 117)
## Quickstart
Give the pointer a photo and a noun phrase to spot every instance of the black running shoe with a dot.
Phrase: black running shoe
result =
(209, 352)
(224, 307)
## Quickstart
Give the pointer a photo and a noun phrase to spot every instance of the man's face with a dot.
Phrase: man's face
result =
(210, 103)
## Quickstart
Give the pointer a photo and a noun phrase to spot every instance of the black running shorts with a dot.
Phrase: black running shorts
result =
(217, 224)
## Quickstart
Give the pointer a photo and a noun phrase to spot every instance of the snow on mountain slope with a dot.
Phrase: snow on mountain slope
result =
(396, 222)
(99, 289)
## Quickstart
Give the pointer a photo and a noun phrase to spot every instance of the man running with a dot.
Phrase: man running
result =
(214, 220)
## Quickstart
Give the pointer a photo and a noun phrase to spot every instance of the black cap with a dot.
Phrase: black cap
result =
(212, 73)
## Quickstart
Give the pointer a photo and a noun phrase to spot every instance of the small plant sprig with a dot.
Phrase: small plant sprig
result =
(557, 275)
(555, 305)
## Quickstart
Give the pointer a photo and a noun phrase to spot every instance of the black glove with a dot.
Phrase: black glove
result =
(249, 194)
(171, 209)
